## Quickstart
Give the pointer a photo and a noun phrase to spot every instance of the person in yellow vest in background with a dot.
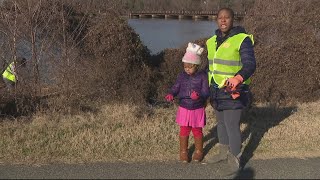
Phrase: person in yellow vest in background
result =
(231, 62)
(9, 75)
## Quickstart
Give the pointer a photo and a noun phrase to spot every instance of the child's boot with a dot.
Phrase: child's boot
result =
(221, 156)
(184, 149)
(198, 154)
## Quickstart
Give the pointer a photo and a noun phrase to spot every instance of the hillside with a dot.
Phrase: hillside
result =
(104, 61)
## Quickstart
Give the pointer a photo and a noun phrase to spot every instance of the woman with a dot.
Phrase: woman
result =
(231, 64)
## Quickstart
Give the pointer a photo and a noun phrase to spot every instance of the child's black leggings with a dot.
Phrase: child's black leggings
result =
(229, 129)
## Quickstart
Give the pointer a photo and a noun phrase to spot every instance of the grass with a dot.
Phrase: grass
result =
(116, 133)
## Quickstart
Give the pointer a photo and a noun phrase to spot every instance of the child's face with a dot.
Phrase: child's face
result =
(190, 68)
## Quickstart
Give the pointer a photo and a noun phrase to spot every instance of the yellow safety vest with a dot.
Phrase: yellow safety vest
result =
(8, 74)
(225, 61)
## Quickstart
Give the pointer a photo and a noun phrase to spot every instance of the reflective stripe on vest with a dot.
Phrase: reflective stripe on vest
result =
(8, 73)
(225, 62)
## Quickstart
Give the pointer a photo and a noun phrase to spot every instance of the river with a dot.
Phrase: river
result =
(159, 34)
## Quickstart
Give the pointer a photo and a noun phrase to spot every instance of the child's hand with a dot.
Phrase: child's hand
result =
(169, 97)
(194, 95)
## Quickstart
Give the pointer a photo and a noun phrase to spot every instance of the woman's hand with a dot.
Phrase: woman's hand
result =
(235, 81)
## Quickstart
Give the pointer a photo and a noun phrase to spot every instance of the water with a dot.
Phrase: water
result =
(159, 34)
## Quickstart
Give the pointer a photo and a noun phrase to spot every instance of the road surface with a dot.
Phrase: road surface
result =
(254, 169)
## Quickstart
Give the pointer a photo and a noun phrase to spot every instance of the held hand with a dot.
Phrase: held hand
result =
(235, 81)
(234, 94)
(232, 90)
(194, 95)
(169, 97)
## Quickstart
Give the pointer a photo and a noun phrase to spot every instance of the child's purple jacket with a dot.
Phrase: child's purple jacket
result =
(185, 84)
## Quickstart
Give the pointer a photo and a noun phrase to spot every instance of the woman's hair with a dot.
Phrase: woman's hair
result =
(229, 10)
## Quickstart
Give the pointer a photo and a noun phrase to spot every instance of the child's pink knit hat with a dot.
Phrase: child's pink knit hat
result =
(192, 54)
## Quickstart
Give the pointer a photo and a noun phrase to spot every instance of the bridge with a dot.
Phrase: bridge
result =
(209, 15)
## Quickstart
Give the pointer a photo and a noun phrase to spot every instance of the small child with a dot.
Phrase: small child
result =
(192, 90)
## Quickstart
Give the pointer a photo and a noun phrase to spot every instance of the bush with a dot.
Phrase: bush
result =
(287, 38)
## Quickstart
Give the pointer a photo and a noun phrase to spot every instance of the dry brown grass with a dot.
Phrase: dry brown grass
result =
(116, 133)
(295, 136)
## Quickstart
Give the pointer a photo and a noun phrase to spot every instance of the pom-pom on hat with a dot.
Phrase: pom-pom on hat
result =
(192, 54)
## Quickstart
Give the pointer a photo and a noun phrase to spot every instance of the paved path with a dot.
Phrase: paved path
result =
(254, 169)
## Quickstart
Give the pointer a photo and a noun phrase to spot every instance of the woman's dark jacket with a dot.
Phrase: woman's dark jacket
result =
(219, 98)
(185, 84)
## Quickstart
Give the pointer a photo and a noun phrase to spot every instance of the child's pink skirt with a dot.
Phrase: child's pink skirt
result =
(193, 118)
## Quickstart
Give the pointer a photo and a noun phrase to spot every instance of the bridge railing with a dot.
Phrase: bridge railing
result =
(182, 12)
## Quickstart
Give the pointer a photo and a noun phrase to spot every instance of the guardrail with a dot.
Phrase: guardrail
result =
(180, 14)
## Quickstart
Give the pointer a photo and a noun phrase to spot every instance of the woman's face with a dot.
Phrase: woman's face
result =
(225, 21)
